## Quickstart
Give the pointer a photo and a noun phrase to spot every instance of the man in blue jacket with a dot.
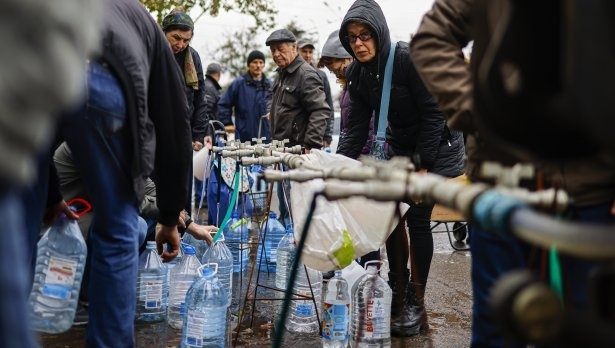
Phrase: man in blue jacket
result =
(248, 98)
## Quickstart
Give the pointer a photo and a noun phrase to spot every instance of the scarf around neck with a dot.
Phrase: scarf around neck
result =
(190, 75)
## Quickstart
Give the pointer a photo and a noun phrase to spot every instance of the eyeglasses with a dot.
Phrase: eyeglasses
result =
(363, 37)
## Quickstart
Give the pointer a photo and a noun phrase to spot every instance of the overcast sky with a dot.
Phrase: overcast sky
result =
(403, 17)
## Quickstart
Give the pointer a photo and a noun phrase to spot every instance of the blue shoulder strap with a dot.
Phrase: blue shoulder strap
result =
(386, 94)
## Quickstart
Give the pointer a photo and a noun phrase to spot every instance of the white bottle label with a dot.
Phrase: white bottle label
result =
(153, 294)
(195, 328)
(376, 323)
(335, 321)
(304, 307)
(59, 278)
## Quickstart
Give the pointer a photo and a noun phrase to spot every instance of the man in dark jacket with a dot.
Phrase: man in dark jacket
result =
(212, 89)
(306, 50)
(416, 127)
(135, 101)
(299, 111)
(248, 98)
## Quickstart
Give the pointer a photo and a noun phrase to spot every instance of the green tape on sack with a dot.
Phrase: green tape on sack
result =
(345, 253)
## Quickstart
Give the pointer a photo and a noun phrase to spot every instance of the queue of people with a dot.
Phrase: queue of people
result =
(144, 110)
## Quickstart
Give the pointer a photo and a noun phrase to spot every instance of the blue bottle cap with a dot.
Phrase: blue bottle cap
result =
(208, 271)
(273, 215)
(188, 249)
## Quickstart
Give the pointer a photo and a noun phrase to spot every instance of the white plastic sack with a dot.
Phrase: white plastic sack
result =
(342, 230)
(200, 164)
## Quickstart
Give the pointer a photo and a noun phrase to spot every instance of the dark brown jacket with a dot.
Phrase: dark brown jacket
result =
(299, 111)
(436, 52)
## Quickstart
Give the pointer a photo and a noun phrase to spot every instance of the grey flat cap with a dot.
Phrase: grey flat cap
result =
(301, 43)
(213, 68)
(280, 35)
(333, 47)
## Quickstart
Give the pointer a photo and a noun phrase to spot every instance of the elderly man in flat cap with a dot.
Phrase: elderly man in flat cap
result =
(299, 111)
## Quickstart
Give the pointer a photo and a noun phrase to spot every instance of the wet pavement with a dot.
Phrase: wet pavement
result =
(448, 302)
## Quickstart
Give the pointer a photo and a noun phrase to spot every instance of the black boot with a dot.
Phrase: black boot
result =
(413, 318)
(398, 283)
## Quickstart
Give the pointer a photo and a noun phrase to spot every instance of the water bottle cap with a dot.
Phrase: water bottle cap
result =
(236, 214)
(372, 269)
(208, 269)
(273, 215)
(290, 230)
(188, 249)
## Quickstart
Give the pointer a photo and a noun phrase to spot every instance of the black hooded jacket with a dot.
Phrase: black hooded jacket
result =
(416, 126)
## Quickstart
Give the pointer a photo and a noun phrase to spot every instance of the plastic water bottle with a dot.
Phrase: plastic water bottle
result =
(370, 324)
(151, 286)
(302, 316)
(206, 310)
(199, 245)
(236, 234)
(60, 261)
(275, 232)
(336, 313)
(220, 254)
(285, 255)
(170, 265)
(182, 277)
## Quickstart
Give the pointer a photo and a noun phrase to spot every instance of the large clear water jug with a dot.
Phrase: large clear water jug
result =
(370, 314)
(60, 260)
(206, 311)
(151, 286)
(182, 277)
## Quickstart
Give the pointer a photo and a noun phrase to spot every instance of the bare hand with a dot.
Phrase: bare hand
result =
(208, 141)
(52, 213)
(182, 218)
(196, 145)
(202, 232)
(169, 235)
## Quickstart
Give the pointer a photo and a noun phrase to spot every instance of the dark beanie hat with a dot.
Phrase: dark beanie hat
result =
(255, 55)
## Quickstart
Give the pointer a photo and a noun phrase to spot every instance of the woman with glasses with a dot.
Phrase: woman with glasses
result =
(416, 129)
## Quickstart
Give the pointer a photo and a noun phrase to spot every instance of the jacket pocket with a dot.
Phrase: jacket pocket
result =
(288, 99)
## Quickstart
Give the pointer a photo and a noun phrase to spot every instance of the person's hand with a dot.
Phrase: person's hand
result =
(613, 209)
(196, 145)
(208, 142)
(169, 235)
(229, 128)
(51, 213)
(182, 218)
(202, 232)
